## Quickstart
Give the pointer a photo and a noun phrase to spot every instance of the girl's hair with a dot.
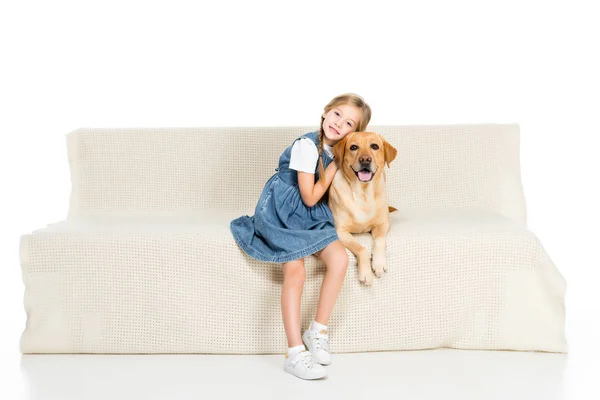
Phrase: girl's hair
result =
(349, 99)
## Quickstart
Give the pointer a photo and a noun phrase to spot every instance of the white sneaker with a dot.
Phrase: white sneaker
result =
(318, 345)
(304, 366)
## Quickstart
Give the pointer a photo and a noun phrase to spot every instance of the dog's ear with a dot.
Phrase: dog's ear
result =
(338, 150)
(389, 151)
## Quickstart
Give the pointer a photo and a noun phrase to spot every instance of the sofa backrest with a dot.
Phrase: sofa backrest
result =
(188, 170)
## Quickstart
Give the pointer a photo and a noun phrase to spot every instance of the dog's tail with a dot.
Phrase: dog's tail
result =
(392, 209)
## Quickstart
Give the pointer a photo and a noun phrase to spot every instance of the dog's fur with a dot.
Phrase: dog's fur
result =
(359, 206)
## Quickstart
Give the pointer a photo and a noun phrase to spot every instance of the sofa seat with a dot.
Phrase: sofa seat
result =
(178, 283)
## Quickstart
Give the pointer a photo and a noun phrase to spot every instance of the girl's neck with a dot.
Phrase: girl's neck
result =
(327, 142)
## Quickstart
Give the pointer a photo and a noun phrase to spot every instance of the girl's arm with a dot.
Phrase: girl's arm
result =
(312, 192)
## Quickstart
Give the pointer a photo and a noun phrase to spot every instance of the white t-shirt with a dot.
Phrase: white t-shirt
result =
(305, 155)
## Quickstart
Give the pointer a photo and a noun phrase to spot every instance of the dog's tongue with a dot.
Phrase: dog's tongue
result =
(364, 176)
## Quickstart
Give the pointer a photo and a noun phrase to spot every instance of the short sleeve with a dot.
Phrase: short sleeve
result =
(304, 156)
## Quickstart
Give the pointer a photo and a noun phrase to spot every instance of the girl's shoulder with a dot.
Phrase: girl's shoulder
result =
(314, 136)
(307, 146)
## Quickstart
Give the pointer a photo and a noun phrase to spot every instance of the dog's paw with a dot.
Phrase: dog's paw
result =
(379, 271)
(365, 276)
(379, 265)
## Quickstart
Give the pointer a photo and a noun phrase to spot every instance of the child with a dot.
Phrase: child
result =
(292, 221)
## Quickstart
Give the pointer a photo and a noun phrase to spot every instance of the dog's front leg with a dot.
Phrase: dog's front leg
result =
(365, 275)
(379, 234)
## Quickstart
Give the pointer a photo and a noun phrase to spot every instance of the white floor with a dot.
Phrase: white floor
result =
(433, 374)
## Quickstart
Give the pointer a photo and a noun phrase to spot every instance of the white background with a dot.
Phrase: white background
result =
(71, 64)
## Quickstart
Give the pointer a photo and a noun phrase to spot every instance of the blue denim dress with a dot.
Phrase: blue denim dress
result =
(283, 228)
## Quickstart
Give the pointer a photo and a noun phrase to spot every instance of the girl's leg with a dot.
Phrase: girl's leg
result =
(294, 275)
(336, 260)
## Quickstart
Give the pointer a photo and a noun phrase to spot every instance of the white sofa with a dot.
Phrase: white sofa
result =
(145, 262)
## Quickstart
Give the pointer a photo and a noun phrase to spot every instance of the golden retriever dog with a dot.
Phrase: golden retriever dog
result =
(358, 200)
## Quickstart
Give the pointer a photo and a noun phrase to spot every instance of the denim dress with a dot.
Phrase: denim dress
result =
(283, 228)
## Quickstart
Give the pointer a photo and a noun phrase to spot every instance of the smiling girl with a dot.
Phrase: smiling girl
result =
(292, 221)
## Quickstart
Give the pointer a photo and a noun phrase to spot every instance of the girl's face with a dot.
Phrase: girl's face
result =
(339, 122)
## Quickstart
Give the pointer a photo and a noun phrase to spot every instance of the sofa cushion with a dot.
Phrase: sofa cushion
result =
(217, 222)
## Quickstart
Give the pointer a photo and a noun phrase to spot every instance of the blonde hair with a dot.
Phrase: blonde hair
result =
(351, 99)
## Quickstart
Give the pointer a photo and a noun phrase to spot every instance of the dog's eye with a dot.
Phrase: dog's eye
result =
(353, 147)
(374, 146)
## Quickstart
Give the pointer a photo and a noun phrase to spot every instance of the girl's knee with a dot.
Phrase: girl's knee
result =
(294, 272)
(338, 260)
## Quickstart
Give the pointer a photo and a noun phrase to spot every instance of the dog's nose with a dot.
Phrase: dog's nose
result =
(364, 159)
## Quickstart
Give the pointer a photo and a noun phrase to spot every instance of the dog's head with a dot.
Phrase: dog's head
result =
(363, 155)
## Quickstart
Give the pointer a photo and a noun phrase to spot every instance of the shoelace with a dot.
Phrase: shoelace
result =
(321, 341)
(306, 359)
